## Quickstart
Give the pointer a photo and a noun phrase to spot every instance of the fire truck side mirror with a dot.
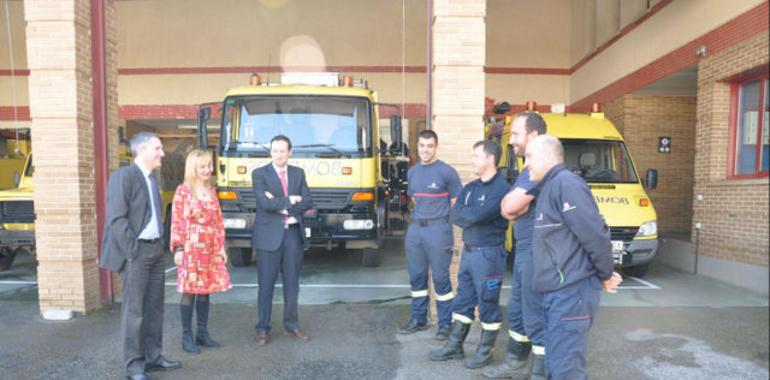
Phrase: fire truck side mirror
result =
(203, 117)
(395, 129)
(511, 165)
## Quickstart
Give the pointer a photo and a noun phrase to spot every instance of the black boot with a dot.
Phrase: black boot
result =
(538, 367)
(443, 332)
(188, 343)
(202, 337)
(515, 361)
(453, 349)
(484, 350)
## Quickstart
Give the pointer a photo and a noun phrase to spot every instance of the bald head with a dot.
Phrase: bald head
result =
(543, 153)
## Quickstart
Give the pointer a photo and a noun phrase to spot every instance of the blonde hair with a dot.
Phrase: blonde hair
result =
(194, 158)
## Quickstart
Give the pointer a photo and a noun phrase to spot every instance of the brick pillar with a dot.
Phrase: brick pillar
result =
(60, 99)
(459, 42)
(111, 69)
(113, 120)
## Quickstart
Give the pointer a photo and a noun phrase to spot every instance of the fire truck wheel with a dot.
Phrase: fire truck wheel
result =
(370, 257)
(239, 257)
(6, 258)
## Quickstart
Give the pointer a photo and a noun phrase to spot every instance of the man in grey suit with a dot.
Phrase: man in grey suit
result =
(133, 247)
(279, 235)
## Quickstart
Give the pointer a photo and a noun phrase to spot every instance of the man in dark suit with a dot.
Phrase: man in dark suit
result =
(279, 235)
(133, 247)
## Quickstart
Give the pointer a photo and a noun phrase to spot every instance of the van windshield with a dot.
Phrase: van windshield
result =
(599, 160)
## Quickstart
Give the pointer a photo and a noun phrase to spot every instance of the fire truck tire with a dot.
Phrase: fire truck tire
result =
(6, 258)
(370, 257)
(239, 256)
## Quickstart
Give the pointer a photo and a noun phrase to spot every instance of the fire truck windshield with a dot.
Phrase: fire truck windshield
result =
(316, 125)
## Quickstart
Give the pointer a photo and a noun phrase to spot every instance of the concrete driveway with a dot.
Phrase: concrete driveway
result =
(670, 324)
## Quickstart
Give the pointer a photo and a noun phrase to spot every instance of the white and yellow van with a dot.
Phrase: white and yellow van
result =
(595, 150)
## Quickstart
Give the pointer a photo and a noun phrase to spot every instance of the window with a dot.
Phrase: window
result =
(599, 160)
(314, 124)
(749, 148)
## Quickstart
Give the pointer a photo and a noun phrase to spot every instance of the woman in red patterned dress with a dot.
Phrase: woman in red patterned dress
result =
(197, 240)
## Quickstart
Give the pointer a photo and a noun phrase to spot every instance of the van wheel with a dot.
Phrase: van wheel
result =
(239, 256)
(370, 257)
(637, 271)
(6, 257)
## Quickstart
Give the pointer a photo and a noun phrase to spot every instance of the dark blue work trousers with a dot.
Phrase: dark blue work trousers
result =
(430, 246)
(525, 305)
(478, 284)
(569, 313)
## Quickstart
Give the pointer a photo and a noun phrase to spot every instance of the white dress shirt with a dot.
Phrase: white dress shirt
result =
(152, 230)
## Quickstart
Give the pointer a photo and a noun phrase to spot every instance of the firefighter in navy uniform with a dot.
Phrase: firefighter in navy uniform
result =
(480, 278)
(525, 305)
(572, 258)
(429, 243)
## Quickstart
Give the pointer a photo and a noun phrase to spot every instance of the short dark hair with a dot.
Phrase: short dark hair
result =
(533, 122)
(428, 134)
(280, 138)
(491, 148)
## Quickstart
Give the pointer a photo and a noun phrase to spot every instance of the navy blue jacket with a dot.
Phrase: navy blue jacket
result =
(268, 221)
(477, 212)
(571, 241)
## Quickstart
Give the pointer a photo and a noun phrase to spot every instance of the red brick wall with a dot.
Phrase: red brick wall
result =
(642, 120)
(733, 213)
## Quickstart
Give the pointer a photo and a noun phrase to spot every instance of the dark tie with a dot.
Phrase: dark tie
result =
(156, 204)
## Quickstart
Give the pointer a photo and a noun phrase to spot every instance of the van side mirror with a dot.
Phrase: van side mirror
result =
(395, 130)
(16, 178)
(651, 179)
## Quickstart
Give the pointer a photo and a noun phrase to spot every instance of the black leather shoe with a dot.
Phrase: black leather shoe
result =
(412, 327)
(138, 376)
(162, 364)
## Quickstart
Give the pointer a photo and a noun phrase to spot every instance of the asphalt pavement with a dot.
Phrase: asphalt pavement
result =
(668, 325)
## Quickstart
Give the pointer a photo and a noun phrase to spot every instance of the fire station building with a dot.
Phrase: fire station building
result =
(685, 82)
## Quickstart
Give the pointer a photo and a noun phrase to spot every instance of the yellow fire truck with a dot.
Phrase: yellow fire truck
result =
(13, 155)
(333, 123)
(17, 217)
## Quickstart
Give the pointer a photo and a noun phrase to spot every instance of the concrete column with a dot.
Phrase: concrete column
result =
(459, 43)
(60, 98)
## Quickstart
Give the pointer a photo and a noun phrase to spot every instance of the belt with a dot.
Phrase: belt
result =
(469, 247)
(427, 222)
(287, 226)
(149, 241)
